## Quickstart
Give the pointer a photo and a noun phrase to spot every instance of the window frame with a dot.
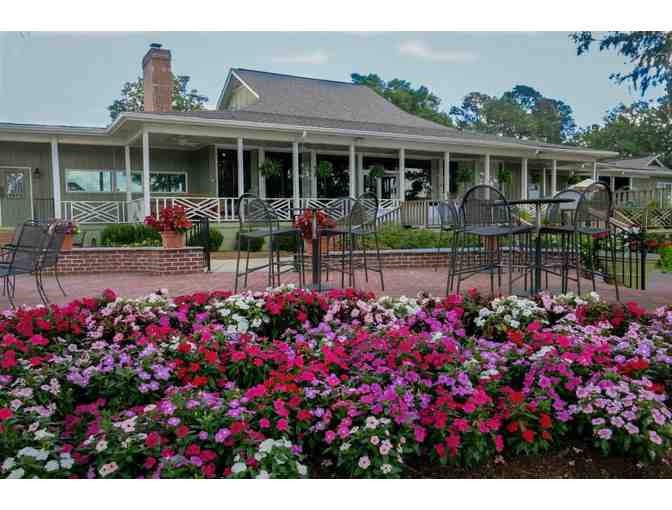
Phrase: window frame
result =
(114, 181)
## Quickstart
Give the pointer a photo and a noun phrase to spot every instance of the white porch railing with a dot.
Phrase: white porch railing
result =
(217, 210)
(88, 211)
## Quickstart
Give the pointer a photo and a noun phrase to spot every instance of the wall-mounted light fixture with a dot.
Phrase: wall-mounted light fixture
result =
(36, 173)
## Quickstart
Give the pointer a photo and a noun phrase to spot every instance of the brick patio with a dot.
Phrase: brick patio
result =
(397, 282)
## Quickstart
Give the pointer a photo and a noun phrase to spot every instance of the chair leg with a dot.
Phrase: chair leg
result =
(379, 260)
(613, 261)
(58, 280)
(39, 284)
(577, 254)
(511, 247)
(247, 262)
(438, 250)
(240, 243)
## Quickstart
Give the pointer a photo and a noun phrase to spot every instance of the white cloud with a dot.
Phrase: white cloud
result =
(311, 57)
(421, 50)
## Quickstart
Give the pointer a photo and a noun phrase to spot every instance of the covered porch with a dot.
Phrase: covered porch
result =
(205, 171)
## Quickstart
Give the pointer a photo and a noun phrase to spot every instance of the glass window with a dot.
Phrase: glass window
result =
(90, 181)
(15, 184)
(159, 182)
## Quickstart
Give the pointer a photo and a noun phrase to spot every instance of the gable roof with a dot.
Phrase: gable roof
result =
(283, 94)
(645, 163)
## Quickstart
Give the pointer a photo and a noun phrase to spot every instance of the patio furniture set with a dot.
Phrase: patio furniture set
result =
(487, 234)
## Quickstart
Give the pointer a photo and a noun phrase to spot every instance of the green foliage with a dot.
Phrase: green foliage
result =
(125, 234)
(648, 51)
(286, 243)
(270, 168)
(665, 261)
(396, 237)
(639, 129)
(133, 97)
(376, 172)
(324, 169)
(417, 101)
(216, 239)
(504, 175)
(522, 112)
(254, 244)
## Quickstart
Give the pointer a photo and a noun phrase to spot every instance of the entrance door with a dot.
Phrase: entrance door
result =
(14, 196)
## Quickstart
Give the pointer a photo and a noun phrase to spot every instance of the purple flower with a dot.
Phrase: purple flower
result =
(604, 434)
(655, 438)
(221, 435)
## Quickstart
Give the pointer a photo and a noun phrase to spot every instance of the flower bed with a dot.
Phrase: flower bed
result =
(290, 383)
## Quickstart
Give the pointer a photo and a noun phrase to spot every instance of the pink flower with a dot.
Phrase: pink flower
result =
(499, 443)
(329, 436)
(420, 434)
(282, 425)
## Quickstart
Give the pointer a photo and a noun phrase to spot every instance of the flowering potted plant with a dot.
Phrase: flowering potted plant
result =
(70, 230)
(172, 224)
(304, 222)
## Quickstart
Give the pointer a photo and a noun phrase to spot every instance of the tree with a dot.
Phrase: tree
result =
(417, 101)
(522, 112)
(133, 96)
(640, 129)
(649, 52)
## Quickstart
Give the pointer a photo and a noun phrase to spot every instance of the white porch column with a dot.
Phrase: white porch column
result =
(543, 182)
(401, 185)
(524, 179)
(360, 173)
(313, 174)
(261, 157)
(554, 178)
(595, 176)
(487, 170)
(296, 185)
(612, 183)
(129, 181)
(446, 175)
(56, 179)
(241, 167)
(352, 168)
(145, 173)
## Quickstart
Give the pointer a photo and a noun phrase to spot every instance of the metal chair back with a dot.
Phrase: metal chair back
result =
(254, 214)
(562, 214)
(595, 206)
(485, 206)
(56, 235)
(449, 214)
(363, 212)
(28, 252)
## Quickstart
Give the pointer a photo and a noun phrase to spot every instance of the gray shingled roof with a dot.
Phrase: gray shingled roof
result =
(645, 163)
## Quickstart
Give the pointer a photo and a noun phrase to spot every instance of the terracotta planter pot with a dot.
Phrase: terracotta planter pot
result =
(308, 246)
(68, 241)
(173, 240)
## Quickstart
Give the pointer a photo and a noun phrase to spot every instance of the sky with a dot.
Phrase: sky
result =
(71, 77)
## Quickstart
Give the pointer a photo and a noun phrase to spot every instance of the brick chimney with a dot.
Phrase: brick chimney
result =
(157, 79)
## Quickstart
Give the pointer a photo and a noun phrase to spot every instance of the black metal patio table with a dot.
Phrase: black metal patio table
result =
(538, 203)
(316, 251)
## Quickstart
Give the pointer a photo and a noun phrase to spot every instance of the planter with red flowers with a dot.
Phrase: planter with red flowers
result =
(304, 222)
(172, 224)
(71, 230)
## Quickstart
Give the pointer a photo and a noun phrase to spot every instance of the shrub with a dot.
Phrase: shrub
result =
(216, 239)
(129, 235)
(666, 259)
(255, 244)
(286, 243)
(396, 237)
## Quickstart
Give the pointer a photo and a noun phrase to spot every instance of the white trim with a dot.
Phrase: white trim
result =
(351, 171)
(554, 178)
(226, 86)
(129, 179)
(313, 176)
(240, 164)
(401, 184)
(296, 185)
(145, 173)
(446, 175)
(56, 178)
(524, 179)
(486, 170)
(261, 158)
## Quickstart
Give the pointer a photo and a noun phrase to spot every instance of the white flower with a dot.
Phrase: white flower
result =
(8, 464)
(101, 446)
(371, 422)
(17, 473)
(50, 466)
(364, 462)
(375, 440)
(108, 469)
(239, 467)
(66, 461)
(386, 468)
(345, 447)
(263, 475)
(303, 470)
(266, 445)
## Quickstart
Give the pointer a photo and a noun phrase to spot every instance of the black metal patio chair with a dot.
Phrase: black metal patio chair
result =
(24, 257)
(52, 251)
(258, 222)
(449, 216)
(489, 238)
(592, 225)
(359, 223)
(557, 237)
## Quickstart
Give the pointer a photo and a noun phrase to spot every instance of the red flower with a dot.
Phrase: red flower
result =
(5, 413)
(193, 449)
(545, 421)
(152, 439)
(499, 443)
(38, 340)
(440, 450)
(282, 425)
(182, 431)
(150, 463)
(528, 435)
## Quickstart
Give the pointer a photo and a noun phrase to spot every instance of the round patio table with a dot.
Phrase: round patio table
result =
(537, 203)
(316, 252)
